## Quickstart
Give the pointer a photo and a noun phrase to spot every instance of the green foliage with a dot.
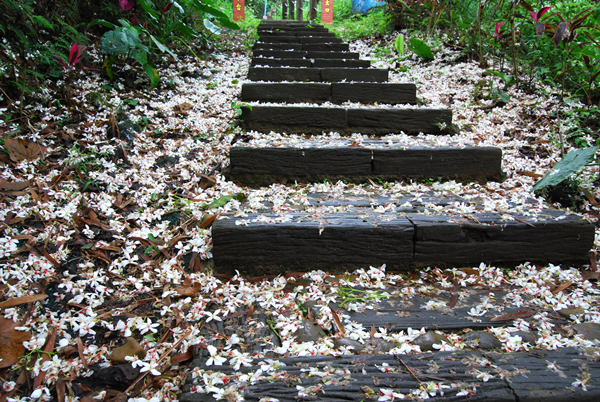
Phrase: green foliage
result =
(399, 45)
(420, 48)
(571, 163)
(361, 26)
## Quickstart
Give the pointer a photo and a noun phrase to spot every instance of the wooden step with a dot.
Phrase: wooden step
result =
(317, 63)
(370, 121)
(312, 47)
(337, 92)
(278, 74)
(277, 33)
(301, 54)
(337, 160)
(517, 376)
(298, 39)
(292, 30)
(337, 236)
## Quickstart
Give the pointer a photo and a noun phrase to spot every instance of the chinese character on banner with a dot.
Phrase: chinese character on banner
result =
(239, 10)
(327, 11)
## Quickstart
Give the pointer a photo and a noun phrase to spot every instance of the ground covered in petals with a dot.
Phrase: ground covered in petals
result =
(107, 198)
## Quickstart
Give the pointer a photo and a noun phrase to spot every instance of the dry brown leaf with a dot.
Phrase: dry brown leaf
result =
(11, 342)
(22, 300)
(81, 355)
(453, 298)
(48, 348)
(338, 323)
(206, 181)
(590, 275)
(182, 357)
(188, 290)
(20, 150)
(16, 185)
(207, 221)
(561, 287)
(514, 316)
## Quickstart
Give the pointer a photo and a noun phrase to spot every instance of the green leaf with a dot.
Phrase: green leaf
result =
(224, 200)
(101, 22)
(571, 163)
(148, 9)
(212, 27)
(152, 73)
(507, 78)
(151, 237)
(420, 48)
(399, 45)
(162, 47)
(88, 246)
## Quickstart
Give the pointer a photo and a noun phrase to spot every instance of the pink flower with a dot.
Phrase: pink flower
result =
(498, 26)
(126, 5)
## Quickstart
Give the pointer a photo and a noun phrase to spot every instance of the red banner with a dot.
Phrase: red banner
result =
(239, 10)
(327, 11)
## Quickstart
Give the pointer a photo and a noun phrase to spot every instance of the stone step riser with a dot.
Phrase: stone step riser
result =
(311, 120)
(335, 92)
(308, 74)
(314, 63)
(257, 167)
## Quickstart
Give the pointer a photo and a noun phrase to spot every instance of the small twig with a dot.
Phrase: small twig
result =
(409, 370)
(163, 357)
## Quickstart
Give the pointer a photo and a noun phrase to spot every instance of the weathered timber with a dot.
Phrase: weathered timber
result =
(309, 120)
(298, 33)
(286, 92)
(341, 160)
(335, 92)
(354, 74)
(299, 39)
(291, 30)
(461, 163)
(264, 243)
(261, 61)
(295, 62)
(333, 241)
(400, 314)
(326, 47)
(391, 120)
(373, 92)
(341, 63)
(278, 46)
(492, 238)
(281, 54)
(287, 54)
(277, 24)
(293, 119)
(277, 74)
(361, 378)
(332, 55)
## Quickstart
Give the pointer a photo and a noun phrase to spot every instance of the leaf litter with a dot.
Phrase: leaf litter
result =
(116, 234)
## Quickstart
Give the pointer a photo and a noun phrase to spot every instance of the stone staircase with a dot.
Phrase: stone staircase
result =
(293, 63)
(409, 231)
